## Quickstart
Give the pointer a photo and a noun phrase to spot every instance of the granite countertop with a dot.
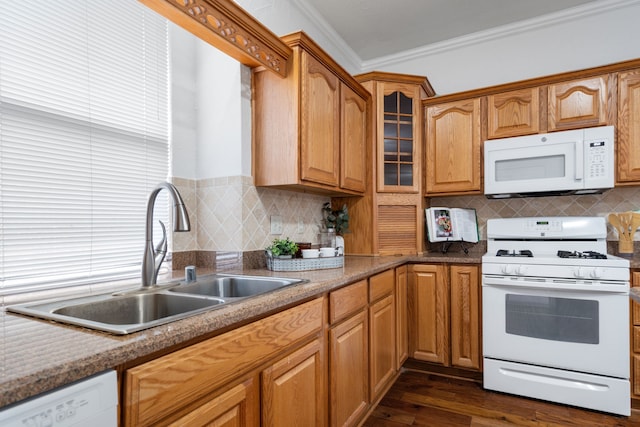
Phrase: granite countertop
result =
(39, 355)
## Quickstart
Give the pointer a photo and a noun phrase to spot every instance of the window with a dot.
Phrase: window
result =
(83, 139)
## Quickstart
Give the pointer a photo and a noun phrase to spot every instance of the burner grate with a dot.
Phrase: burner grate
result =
(586, 254)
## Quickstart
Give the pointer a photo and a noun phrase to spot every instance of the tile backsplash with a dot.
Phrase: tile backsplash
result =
(615, 200)
(231, 214)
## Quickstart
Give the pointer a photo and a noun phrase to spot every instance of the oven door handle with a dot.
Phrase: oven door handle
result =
(542, 283)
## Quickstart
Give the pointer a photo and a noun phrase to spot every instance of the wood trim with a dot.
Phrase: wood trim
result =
(422, 81)
(540, 81)
(228, 27)
(306, 43)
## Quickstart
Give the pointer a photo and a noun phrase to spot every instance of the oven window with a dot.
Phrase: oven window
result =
(557, 319)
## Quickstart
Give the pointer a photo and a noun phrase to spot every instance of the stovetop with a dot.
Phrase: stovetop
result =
(570, 242)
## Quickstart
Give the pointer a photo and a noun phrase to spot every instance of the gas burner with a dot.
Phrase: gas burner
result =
(586, 254)
(522, 253)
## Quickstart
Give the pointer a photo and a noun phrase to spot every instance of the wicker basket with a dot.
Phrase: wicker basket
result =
(302, 264)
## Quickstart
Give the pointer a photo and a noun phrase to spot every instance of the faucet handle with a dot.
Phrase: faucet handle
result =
(161, 247)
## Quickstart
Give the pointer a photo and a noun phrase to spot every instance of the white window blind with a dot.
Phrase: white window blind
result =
(83, 139)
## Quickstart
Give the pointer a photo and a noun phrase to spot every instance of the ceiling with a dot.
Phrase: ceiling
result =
(377, 28)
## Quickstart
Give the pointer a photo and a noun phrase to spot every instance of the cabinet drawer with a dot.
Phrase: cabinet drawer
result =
(381, 284)
(164, 385)
(347, 301)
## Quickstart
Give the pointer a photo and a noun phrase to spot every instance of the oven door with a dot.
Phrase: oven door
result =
(578, 330)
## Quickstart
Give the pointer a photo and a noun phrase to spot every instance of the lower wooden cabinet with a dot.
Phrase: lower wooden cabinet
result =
(238, 406)
(366, 322)
(402, 336)
(445, 325)
(293, 389)
(180, 384)
(349, 370)
(323, 362)
(635, 339)
(382, 332)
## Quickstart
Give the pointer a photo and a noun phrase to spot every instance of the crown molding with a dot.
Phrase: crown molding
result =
(498, 32)
(355, 63)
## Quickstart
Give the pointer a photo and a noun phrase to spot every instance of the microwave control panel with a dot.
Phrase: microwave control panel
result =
(597, 159)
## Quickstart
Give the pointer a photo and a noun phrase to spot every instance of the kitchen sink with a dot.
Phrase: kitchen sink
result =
(140, 309)
(234, 286)
(120, 314)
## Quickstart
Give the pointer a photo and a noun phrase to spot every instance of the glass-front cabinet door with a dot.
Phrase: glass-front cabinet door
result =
(399, 139)
(398, 157)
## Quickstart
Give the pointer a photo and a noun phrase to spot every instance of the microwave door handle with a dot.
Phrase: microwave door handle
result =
(579, 159)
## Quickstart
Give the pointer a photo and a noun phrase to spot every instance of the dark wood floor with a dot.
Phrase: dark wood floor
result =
(420, 399)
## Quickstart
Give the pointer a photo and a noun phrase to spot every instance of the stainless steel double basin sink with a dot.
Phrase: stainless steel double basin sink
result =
(127, 312)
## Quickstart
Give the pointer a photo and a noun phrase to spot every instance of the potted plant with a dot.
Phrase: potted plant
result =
(282, 248)
(336, 223)
(336, 219)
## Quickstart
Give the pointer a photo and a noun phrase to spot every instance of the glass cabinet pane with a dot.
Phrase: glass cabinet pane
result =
(398, 140)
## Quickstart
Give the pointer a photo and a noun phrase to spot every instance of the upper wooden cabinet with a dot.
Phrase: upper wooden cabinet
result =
(389, 219)
(454, 142)
(310, 130)
(628, 143)
(513, 113)
(320, 122)
(581, 103)
(354, 137)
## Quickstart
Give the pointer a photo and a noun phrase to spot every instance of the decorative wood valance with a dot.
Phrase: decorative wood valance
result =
(228, 27)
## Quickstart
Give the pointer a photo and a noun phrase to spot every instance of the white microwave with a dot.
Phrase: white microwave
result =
(568, 162)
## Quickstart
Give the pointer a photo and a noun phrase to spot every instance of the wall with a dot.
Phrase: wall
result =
(211, 157)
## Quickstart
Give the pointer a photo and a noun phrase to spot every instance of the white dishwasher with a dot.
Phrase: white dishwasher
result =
(88, 402)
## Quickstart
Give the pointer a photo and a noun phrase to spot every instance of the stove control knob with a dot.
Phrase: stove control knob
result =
(596, 273)
(507, 268)
(521, 270)
(579, 272)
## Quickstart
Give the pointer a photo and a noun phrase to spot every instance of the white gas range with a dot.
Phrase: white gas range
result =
(556, 312)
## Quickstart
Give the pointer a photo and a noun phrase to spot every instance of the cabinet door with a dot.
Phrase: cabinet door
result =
(402, 336)
(320, 123)
(353, 126)
(635, 340)
(514, 113)
(628, 143)
(235, 407)
(453, 148)
(349, 370)
(399, 136)
(429, 313)
(294, 390)
(635, 306)
(579, 103)
(382, 351)
(465, 316)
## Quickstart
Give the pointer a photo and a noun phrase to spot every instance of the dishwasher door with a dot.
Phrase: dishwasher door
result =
(88, 402)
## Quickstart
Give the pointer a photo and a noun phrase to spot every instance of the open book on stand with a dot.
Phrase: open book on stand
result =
(452, 224)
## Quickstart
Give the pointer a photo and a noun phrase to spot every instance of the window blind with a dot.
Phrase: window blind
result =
(83, 139)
